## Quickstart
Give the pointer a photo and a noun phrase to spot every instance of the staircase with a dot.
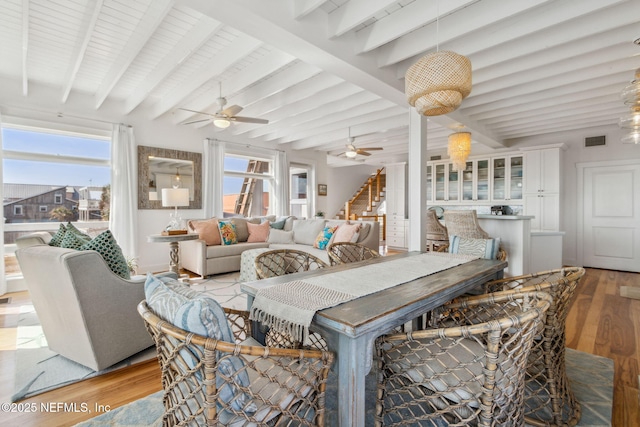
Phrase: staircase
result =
(364, 202)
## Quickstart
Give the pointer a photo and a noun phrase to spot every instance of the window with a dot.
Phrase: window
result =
(300, 189)
(45, 169)
(247, 185)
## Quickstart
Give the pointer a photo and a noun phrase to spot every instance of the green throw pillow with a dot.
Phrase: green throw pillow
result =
(73, 240)
(105, 244)
(57, 238)
(72, 229)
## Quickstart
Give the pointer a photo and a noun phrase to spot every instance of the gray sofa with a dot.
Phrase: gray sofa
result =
(200, 258)
(88, 313)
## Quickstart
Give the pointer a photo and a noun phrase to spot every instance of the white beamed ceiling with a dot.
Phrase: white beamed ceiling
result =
(315, 68)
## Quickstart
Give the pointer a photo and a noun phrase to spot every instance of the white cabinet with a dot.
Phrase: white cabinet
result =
(542, 188)
(475, 181)
(506, 179)
(397, 229)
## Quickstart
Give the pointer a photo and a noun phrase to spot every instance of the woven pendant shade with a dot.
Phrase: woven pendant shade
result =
(459, 149)
(438, 83)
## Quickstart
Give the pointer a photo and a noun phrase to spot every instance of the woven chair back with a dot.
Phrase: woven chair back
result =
(268, 386)
(549, 399)
(464, 223)
(468, 369)
(279, 262)
(437, 234)
(346, 252)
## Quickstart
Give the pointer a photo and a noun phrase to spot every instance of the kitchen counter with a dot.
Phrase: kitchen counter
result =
(514, 232)
(506, 217)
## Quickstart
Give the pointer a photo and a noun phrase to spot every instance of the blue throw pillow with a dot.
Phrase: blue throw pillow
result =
(278, 225)
(483, 248)
(189, 310)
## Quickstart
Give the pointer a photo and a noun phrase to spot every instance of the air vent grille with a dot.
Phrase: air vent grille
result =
(594, 141)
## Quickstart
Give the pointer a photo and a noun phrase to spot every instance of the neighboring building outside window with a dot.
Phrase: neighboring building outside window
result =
(43, 208)
(58, 199)
(17, 210)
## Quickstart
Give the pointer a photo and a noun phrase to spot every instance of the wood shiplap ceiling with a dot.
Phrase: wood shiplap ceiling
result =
(315, 68)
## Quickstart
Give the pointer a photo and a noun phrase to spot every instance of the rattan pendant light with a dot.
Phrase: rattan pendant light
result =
(631, 122)
(439, 81)
(459, 149)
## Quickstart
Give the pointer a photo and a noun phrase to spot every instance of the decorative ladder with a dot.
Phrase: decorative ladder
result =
(245, 198)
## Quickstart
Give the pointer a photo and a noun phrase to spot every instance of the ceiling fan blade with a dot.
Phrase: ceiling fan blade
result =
(196, 121)
(364, 153)
(197, 112)
(231, 111)
(241, 119)
(373, 148)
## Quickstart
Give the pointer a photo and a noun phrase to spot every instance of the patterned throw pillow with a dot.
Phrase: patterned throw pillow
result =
(190, 310)
(324, 237)
(72, 229)
(258, 232)
(73, 240)
(483, 248)
(105, 244)
(227, 232)
(56, 240)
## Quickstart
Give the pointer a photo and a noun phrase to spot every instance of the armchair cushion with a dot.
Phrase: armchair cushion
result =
(483, 248)
(105, 244)
(189, 310)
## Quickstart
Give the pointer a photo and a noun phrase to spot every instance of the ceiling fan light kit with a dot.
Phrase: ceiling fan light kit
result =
(438, 83)
(631, 121)
(221, 123)
(459, 149)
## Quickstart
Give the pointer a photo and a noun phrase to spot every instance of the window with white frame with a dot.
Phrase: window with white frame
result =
(18, 210)
(57, 199)
(247, 185)
(43, 208)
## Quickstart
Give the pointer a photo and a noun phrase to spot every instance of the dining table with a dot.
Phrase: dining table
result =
(351, 328)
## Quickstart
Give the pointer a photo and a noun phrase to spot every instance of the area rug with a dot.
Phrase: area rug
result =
(591, 379)
(38, 369)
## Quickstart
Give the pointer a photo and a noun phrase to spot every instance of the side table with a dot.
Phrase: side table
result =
(173, 240)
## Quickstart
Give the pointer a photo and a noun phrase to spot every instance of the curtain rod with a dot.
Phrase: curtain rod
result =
(246, 145)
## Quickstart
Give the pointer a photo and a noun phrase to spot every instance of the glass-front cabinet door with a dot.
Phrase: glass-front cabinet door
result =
(507, 178)
(482, 179)
(454, 189)
(440, 184)
(475, 181)
(468, 193)
(429, 183)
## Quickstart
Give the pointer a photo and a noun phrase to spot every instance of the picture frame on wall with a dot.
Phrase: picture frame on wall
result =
(322, 189)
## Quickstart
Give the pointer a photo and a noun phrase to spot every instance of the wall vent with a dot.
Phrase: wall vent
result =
(435, 158)
(594, 141)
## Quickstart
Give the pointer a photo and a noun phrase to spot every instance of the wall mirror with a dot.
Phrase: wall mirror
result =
(160, 168)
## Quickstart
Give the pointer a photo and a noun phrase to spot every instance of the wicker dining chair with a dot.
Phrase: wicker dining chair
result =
(549, 399)
(346, 252)
(467, 369)
(279, 262)
(269, 386)
(437, 234)
(464, 223)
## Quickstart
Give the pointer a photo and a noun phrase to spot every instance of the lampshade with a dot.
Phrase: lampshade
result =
(438, 83)
(221, 123)
(175, 197)
(459, 149)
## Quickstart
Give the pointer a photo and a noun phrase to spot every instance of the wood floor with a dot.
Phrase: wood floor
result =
(600, 322)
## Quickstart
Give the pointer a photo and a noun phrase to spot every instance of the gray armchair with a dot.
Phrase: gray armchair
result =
(88, 313)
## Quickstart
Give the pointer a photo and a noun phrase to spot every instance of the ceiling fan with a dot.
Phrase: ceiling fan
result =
(353, 151)
(223, 117)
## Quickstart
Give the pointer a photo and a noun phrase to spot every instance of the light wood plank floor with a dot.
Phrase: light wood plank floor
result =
(600, 322)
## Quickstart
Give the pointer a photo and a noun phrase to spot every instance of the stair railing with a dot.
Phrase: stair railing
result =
(373, 187)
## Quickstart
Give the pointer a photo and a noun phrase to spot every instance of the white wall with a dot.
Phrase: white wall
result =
(342, 183)
(576, 153)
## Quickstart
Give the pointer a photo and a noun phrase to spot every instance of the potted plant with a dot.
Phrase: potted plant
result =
(320, 214)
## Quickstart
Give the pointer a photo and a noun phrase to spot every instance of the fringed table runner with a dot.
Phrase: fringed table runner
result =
(290, 307)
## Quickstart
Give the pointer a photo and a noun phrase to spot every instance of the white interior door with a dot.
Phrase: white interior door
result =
(611, 216)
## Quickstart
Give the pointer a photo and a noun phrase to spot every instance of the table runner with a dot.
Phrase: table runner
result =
(290, 307)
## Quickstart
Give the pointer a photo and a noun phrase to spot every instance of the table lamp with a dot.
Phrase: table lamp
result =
(175, 197)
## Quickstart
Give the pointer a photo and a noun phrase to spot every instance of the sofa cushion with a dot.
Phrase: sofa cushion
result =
(483, 248)
(280, 236)
(220, 251)
(227, 232)
(189, 310)
(258, 232)
(305, 231)
(207, 230)
(347, 233)
(105, 244)
(323, 238)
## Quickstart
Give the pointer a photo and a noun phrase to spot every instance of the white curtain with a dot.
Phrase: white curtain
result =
(281, 190)
(122, 216)
(3, 279)
(213, 177)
